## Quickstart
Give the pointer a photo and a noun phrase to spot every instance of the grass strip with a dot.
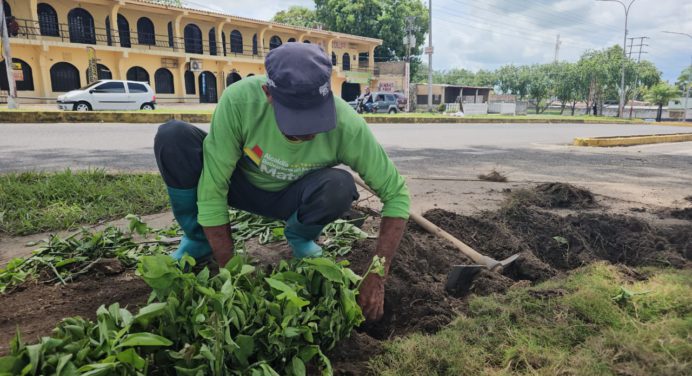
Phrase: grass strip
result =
(32, 202)
(596, 321)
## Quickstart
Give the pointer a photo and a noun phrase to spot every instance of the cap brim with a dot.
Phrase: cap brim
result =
(303, 122)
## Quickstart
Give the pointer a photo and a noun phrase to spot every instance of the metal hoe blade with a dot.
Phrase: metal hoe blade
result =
(460, 278)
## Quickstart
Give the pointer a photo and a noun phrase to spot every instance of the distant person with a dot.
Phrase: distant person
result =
(595, 109)
(12, 26)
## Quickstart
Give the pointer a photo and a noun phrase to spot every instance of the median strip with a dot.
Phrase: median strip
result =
(632, 140)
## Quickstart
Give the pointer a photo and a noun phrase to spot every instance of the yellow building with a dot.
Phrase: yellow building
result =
(186, 55)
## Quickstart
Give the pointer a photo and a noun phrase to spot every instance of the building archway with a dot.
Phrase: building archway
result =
(146, 33)
(64, 77)
(232, 78)
(193, 39)
(47, 20)
(27, 84)
(163, 81)
(346, 62)
(207, 88)
(124, 31)
(81, 26)
(190, 83)
(138, 74)
(237, 42)
(350, 91)
(274, 42)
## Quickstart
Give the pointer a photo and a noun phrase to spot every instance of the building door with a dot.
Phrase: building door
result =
(207, 88)
(350, 91)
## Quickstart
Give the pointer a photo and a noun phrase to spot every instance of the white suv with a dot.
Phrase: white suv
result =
(109, 95)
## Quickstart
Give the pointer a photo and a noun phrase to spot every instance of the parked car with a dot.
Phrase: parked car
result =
(109, 95)
(401, 101)
(380, 102)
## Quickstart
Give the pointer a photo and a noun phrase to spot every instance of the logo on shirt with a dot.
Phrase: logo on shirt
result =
(255, 154)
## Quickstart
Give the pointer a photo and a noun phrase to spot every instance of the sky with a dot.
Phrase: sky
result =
(486, 34)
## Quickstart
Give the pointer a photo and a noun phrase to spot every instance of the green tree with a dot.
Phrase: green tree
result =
(566, 84)
(539, 84)
(383, 19)
(297, 16)
(660, 94)
(685, 78)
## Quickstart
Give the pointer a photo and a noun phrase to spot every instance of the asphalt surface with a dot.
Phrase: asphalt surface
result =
(525, 152)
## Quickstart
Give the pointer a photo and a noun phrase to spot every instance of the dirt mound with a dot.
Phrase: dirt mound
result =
(556, 195)
(565, 243)
(685, 213)
(37, 308)
(494, 176)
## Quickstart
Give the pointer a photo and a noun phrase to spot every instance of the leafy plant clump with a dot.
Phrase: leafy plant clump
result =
(65, 259)
(239, 321)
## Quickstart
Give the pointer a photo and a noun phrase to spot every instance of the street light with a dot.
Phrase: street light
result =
(621, 108)
(689, 77)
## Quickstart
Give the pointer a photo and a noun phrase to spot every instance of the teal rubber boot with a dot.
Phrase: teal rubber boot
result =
(302, 238)
(194, 242)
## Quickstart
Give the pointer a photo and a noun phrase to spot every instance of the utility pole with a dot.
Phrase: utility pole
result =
(410, 40)
(689, 77)
(636, 73)
(7, 55)
(429, 51)
(557, 48)
(621, 107)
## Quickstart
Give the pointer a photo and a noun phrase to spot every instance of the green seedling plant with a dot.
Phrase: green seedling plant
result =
(240, 321)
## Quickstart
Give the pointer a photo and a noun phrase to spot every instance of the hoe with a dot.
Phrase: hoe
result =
(460, 277)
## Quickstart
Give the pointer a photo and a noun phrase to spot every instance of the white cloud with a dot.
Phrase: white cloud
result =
(486, 34)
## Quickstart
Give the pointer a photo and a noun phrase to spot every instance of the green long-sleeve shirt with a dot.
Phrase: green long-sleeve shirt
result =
(244, 135)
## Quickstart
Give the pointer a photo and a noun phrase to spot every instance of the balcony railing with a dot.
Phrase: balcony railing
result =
(29, 29)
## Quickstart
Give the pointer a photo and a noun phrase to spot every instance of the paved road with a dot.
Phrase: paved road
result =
(534, 152)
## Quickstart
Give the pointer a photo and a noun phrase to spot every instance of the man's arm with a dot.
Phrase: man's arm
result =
(371, 297)
(221, 242)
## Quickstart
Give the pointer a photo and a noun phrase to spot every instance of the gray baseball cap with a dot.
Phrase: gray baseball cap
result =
(299, 81)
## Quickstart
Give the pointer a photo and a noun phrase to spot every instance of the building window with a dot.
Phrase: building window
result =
(6, 8)
(346, 62)
(48, 21)
(64, 77)
(163, 79)
(170, 35)
(306, 41)
(274, 42)
(223, 42)
(145, 32)
(333, 59)
(81, 26)
(291, 40)
(237, 43)
(254, 44)
(193, 39)
(212, 41)
(189, 83)
(124, 31)
(207, 87)
(109, 34)
(363, 60)
(27, 84)
(138, 74)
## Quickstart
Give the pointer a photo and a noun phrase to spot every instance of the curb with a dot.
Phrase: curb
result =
(632, 140)
(162, 117)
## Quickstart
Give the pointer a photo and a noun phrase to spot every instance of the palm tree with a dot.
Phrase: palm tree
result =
(660, 94)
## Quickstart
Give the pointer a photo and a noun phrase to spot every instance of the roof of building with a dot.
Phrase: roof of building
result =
(323, 33)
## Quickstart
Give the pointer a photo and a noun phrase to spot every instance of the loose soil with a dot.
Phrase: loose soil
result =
(534, 223)
(37, 308)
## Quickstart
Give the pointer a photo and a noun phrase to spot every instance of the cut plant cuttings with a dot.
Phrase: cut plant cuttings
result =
(238, 322)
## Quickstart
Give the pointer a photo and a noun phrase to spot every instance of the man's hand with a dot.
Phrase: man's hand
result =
(221, 243)
(371, 296)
